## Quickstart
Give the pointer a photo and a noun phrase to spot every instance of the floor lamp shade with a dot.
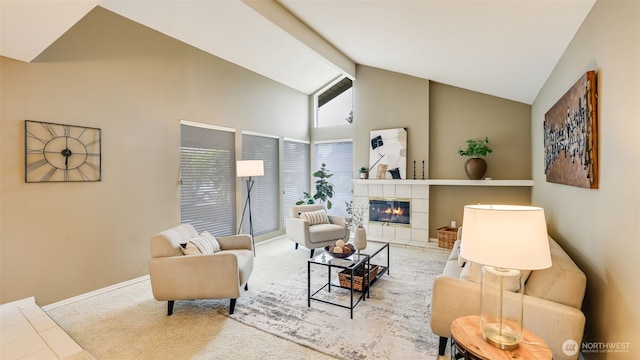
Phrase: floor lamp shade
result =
(249, 168)
(504, 239)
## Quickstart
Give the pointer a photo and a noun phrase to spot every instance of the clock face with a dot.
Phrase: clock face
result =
(62, 153)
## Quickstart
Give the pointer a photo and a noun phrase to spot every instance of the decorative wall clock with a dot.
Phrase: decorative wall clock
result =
(62, 153)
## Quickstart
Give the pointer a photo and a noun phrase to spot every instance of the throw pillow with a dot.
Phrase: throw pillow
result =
(210, 238)
(189, 248)
(206, 243)
(315, 217)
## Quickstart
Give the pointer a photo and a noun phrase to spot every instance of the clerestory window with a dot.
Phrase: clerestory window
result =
(334, 104)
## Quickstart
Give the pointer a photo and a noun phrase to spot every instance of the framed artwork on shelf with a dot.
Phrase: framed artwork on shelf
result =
(388, 154)
(571, 136)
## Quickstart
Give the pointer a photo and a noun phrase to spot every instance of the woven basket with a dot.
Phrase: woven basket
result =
(447, 236)
(359, 282)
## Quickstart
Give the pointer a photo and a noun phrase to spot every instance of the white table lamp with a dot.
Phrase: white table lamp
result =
(505, 239)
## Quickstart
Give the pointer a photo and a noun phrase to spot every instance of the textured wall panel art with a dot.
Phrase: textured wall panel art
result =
(571, 136)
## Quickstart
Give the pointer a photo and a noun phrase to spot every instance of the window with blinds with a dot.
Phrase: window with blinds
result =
(207, 177)
(265, 199)
(338, 156)
(296, 173)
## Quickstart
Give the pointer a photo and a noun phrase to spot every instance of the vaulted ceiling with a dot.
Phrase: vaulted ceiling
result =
(505, 48)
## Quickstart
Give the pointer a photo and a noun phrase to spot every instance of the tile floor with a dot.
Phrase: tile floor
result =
(27, 332)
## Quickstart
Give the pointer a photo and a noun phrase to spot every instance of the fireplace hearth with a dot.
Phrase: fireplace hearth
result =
(395, 212)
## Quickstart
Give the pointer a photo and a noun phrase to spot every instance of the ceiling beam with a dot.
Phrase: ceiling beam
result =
(283, 18)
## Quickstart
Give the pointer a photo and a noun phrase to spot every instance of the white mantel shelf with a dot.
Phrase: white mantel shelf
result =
(447, 182)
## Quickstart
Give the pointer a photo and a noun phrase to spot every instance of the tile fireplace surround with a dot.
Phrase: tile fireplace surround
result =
(417, 234)
(414, 234)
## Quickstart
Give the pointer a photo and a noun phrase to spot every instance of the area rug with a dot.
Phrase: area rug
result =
(393, 323)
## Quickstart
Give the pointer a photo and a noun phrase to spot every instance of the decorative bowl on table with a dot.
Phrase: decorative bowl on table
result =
(343, 252)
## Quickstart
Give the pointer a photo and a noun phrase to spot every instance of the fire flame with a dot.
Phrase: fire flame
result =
(397, 211)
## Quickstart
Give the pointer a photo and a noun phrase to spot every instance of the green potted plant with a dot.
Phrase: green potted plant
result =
(475, 167)
(364, 172)
(324, 189)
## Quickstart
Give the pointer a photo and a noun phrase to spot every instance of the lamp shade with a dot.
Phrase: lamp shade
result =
(248, 168)
(505, 236)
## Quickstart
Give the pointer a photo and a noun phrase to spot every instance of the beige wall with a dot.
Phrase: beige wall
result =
(385, 100)
(439, 119)
(58, 240)
(457, 115)
(601, 228)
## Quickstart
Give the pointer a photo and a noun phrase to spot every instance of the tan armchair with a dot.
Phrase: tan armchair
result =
(315, 236)
(219, 275)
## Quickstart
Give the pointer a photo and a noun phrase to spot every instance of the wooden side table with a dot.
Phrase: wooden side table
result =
(467, 343)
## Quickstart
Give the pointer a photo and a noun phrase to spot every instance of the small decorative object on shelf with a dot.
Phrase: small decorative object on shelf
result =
(414, 169)
(364, 173)
(422, 169)
(475, 167)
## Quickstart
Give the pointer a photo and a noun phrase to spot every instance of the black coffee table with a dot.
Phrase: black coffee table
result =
(367, 258)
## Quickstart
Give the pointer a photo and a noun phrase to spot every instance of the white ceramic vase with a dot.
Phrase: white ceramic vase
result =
(360, 239)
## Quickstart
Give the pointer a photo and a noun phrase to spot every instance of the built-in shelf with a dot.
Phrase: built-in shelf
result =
(448, 182)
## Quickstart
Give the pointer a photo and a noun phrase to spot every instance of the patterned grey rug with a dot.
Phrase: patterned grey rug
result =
(392, 324)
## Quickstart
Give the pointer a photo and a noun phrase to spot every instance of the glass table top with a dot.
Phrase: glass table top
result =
(325, 258)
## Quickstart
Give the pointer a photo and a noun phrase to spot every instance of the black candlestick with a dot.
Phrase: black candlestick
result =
(414, 169)
(422, 169)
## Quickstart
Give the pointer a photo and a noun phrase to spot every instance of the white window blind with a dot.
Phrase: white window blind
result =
(207, 176)
(296, 173)
(338, 157)
(265, 197)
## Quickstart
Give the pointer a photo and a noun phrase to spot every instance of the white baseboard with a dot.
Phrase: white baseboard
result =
(94, 293)
(11, 306)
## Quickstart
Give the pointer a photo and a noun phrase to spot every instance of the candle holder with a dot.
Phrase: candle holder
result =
(414, 169)
(422, 169)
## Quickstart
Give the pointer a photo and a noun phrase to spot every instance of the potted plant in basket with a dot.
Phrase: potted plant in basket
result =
(475, 167)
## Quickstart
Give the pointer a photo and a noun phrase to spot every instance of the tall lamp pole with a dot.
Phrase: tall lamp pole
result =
(249, 169)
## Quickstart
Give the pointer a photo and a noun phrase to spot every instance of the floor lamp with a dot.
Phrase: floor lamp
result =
(506, 239)
(249, 169)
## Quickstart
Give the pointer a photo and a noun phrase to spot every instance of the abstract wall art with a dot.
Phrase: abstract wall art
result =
(388, 154)
(571, 136)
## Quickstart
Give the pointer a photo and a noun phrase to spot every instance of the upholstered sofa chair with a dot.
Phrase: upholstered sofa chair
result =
(311, 227)
(219, 273)
(552, 301)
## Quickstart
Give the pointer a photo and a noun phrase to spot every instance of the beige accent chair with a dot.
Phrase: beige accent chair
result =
(315, 236)
(552, 301)
(220, 275)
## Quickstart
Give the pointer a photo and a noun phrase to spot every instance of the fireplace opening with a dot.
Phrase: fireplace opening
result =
(390, 211)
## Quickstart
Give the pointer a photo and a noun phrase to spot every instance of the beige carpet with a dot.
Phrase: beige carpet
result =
(128, 323)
